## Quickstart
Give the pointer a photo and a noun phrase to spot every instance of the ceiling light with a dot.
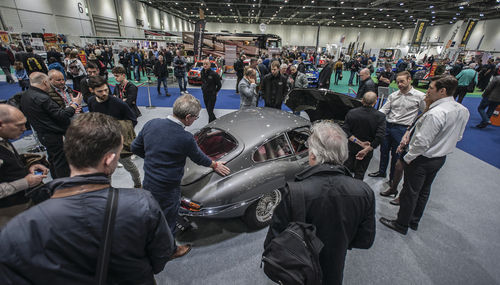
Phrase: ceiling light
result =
(342, 2)
(433, 12)
(451, 22)
(364, 14)
(461, 7)
(303, 7)
(355, 9)
(431, 6)
(481, 15)
(387, 15)
(406, 11)
(454, 18)
(343, 13)
(401, 4)
(411, 16)
(433, 21)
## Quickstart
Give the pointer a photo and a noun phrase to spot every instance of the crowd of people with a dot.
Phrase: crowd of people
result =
(416, 132)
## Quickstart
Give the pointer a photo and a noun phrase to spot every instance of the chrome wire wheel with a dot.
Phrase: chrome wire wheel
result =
(266, 205)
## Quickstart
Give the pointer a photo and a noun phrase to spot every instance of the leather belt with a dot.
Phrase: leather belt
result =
(75, 190)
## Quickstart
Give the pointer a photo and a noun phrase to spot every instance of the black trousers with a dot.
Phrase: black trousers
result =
(419, 175)
(238, 79)
(460, 93)
(58, 164)
(209, 98)
(358, 167)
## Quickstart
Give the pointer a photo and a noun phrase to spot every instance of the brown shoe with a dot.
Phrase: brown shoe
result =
(181, 251)
(395, 202)
(389, 192)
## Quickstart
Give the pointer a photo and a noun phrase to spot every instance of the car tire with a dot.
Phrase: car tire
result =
(259, 214)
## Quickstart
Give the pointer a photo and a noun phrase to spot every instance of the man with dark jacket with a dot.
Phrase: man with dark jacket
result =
(366, 84)
(386, 77)
(125, 90)
(17, 175)
(180, 65)
(354, 66)
(325, 75)
(365, 129)
(92, 70)
(33, 62)
(211, 84)
(274, 87)
(55, 54)
(239, 68)
(61, 237)
(6, 60)
(124, 59)
(341, 208)
(135, 63)
(301, 67)
(49, 120)
(165, 145)
(110, 105)
(491, 99)
(160, 70)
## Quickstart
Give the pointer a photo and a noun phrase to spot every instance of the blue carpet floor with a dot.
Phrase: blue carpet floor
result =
(481, 143)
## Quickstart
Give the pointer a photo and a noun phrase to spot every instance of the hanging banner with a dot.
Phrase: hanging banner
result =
(468, 31)
(418, 33)
(5, 37)
(198, 38)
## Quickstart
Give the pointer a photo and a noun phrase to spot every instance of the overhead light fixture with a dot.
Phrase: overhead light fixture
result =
(461, 7)
(433, 12)
(481, 15)
(458, 14)
(406, 11)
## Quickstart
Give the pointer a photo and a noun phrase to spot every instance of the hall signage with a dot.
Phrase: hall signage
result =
(468, 31)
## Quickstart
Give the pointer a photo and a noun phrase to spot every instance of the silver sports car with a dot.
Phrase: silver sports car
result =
(263, 147)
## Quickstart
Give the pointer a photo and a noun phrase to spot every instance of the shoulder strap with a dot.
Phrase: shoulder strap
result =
(107, 235)
(297, 202)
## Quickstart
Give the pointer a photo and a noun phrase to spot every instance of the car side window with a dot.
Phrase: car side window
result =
(298, 139)
(275, 148)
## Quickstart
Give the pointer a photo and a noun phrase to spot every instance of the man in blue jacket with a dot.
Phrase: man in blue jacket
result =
(165, 145)
(58, 241)
(135, 62)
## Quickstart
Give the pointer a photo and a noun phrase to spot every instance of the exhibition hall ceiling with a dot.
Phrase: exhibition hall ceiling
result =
(347, 13)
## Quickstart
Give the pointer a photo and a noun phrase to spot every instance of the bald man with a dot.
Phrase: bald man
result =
(49, 120)
(366, 83)
(15, 175)
(59, 91)
(365, 128)
(211, 84)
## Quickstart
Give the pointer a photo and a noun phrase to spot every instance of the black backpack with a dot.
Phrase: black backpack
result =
(292, 257)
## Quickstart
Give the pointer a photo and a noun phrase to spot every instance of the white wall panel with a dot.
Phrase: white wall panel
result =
(128, 10)
(154, 18)
(7, 3)
(44, 6)
(104, 8)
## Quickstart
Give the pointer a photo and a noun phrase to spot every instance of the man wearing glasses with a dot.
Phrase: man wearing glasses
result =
(165, 144)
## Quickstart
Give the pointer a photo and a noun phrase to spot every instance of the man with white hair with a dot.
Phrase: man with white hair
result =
(341, 208)
(366, 83)
(365, 128)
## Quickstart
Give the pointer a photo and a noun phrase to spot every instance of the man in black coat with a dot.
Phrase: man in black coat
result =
(55, 54)
(160, 70)
(49, 120)
(124, 59)
(341, 208)
(365, 128)
(274, 87)
(6, 60)
(92, 70)
(301, 67)
(32, 62)
(366, 84)
(211, 84)
(325, 75)
(61, 237)
(239, 67)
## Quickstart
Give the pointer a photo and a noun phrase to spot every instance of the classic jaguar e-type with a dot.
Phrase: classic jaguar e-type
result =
(264, 148)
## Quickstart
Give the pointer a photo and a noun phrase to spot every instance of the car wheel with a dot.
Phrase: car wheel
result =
(260, 213)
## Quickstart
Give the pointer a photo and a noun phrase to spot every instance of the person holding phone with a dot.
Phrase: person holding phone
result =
(16, 175)
(247, 88)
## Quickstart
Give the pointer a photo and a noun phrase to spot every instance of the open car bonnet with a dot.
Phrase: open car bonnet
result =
(321, 104)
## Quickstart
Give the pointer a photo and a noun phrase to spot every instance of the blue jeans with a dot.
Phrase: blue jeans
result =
(182, 87)
(393, 135)
(137, 75)
(164, 81)
(486, 115)
(337, 76)
(168, 197)
(352, 77)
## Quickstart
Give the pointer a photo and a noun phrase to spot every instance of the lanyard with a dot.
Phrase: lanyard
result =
(121, 91)
(63, 96)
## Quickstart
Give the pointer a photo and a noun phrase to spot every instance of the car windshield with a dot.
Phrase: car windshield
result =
(215, 143)
(310, 68)
(200, 64)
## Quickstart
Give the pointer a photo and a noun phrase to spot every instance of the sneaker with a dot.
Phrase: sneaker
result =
(119, 165)
(133, 156)
(168, 95)
(482, 125)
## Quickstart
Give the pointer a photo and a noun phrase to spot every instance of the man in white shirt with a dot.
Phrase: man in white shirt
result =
(436, 135)
(400, 109)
